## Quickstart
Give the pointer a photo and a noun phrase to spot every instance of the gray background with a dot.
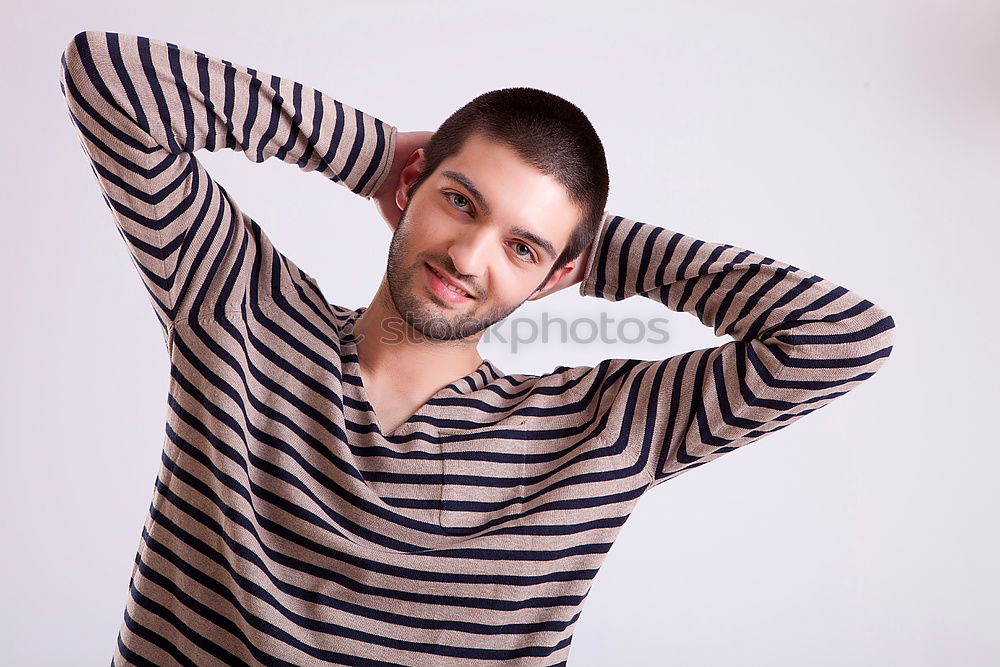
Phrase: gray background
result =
(857, 140)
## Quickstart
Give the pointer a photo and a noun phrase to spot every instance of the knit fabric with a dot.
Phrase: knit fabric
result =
(285, 528)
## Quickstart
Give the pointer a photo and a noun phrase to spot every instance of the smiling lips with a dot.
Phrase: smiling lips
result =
(444, 288)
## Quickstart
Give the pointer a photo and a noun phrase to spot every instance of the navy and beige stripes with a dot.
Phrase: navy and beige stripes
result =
(285, 527)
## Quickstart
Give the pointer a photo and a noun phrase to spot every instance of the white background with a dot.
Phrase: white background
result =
(859, 140)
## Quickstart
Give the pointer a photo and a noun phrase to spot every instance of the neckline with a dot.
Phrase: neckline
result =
(485, 373)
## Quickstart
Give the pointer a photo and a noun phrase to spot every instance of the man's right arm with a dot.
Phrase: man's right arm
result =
(143, 107)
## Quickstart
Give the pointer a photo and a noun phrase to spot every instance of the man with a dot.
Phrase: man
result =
(358, 486)
(484, 251)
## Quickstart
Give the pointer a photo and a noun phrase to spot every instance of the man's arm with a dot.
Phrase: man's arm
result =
(142, 107)
(385, 197)
(800, 342)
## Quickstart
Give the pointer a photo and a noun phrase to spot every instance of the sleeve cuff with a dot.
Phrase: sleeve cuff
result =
(598, 250)
(385, 164)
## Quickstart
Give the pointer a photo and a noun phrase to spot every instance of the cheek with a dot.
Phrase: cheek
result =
(429, 227)
(511, 287)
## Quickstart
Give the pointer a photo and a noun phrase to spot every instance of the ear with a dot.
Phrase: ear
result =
(569, 274)
(556, 282)
(411, 172)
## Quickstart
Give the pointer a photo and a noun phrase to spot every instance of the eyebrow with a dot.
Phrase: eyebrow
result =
(478, 196)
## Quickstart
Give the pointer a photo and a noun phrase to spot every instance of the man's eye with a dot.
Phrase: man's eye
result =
(530, 256)
(461, 200)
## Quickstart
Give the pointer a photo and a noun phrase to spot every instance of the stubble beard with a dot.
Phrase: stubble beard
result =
(415, 307)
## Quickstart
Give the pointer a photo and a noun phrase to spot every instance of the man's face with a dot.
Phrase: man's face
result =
(484, 219)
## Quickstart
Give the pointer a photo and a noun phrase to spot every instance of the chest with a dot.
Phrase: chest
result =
(392, 409)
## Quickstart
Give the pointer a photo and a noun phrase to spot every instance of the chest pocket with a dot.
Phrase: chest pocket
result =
(482, 478)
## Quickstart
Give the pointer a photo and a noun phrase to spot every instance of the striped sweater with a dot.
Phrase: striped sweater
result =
(285, 528)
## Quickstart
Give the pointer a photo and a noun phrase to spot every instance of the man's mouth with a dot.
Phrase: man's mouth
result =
(448, 287)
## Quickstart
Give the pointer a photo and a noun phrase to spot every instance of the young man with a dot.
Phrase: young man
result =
(358, 486)
(466, 253)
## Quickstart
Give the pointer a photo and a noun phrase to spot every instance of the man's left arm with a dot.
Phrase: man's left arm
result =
(800, 342)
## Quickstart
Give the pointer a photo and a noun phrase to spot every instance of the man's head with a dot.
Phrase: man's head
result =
(503, 199)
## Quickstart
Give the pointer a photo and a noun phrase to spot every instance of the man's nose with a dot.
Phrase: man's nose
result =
(470, 253)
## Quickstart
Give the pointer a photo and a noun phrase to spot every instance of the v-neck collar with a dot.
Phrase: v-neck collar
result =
(485, 373)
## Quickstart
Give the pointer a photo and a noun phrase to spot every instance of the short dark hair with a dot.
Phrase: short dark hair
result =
(549, 133)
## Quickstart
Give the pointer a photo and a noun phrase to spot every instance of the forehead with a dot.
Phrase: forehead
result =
(516, 193)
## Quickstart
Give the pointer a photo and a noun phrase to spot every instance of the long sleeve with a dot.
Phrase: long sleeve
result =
(142, 108)
(800, 341)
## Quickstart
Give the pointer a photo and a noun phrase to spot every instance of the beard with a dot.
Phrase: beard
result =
(419, 312)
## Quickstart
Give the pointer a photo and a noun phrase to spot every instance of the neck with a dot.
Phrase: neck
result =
(390, 350)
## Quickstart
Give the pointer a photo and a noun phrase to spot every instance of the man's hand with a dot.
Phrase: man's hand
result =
(385, 196)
